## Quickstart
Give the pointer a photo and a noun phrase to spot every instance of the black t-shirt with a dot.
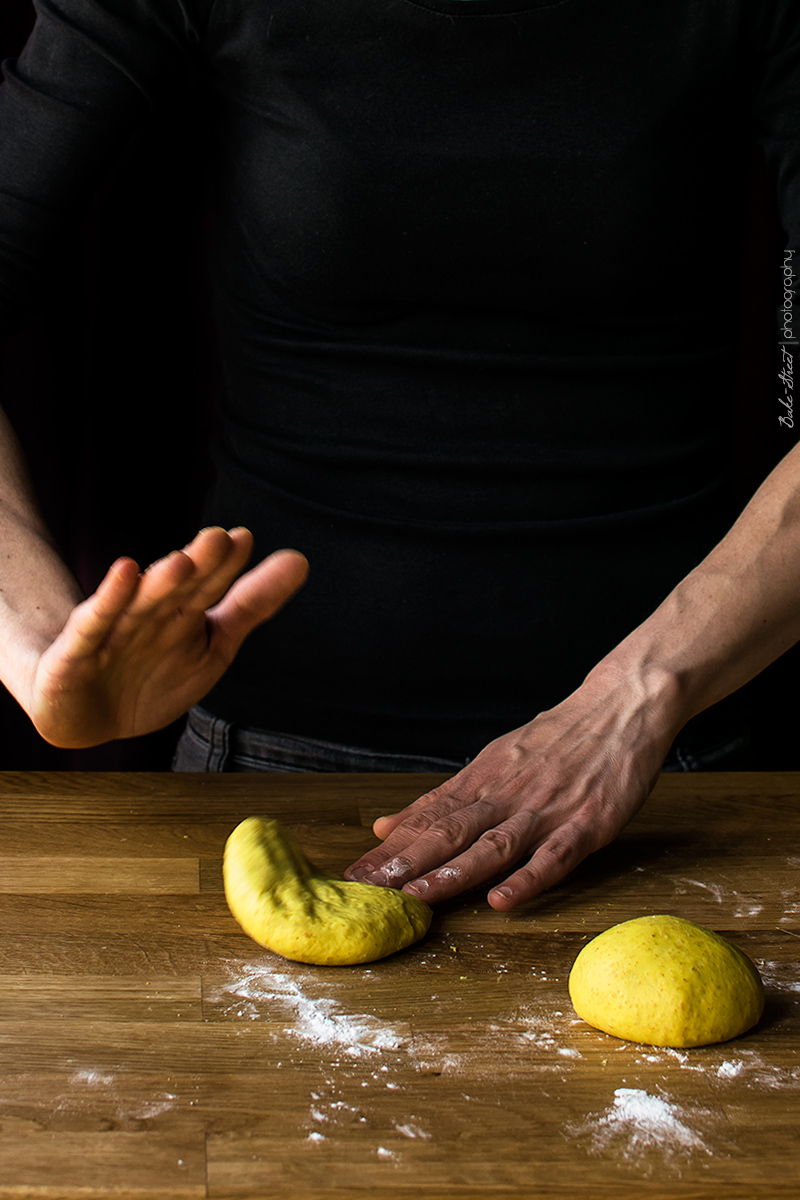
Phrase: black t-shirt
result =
(475, 284)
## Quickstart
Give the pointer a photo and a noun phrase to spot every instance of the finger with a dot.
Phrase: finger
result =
(258, 595)
(218, 558)
(399, 861)
(163, 577)
(192, 578)
(91, 622)
(411, 821)
(556, 857)
(495, 850)
(213, 544)
(384, 826)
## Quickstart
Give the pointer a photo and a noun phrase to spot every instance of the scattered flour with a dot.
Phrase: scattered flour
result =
(412, 1131)
(716, 890)
(153, 1108)
(781, 977)
(395, 868)
(749, 910)
(448, 873)
(729, 1070)
(640, 1126)
(319, 1020)
(746, 906)
(91, 1078)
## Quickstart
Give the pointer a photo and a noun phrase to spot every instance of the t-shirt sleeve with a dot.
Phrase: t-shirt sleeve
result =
(91, 71)
(776, 108)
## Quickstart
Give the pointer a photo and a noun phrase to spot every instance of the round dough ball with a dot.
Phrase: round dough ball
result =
(667, 982)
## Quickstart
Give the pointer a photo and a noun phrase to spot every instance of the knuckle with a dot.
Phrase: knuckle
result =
(563, 844)
(500, 840)
(417, 823)
(431, 809)
(406, 829)
(448, 831)
(528, 879)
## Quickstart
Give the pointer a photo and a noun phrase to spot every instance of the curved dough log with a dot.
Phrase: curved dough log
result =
(308, 915)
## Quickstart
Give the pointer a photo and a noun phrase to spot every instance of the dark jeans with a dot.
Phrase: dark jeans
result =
(211, 744)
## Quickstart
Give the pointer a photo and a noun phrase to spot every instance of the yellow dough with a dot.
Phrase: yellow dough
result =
(308, 915)
(667, 982)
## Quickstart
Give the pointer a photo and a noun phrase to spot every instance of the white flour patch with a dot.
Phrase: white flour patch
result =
(641, 1128)
(91, 1078)
(315, 1019)
(716, 890)
(366, 1050)
(749, 910)
(543, 1032)
(791, 905)
(395, 868)
(153, 1108)
(685, 1060)
(748, 1068)
(412, 1131)
(668, 1055)
(781, 977)
(746, 906)
(448, 873)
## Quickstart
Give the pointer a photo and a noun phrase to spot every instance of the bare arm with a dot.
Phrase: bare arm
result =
(146, 646)
(37, 590)
(566, 783)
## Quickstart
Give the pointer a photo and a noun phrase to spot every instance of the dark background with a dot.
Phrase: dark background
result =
(110, 384)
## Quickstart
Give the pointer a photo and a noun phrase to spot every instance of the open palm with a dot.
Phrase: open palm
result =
(145, 647)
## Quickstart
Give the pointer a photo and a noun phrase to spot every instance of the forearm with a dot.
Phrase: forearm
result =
(735, 613)
(37, 590)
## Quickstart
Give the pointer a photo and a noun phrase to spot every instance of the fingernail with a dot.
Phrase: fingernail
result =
(418, 888)
(505, 892)
(357, 873)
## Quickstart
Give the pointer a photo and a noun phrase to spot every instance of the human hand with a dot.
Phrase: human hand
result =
(552, 791)
(144, 648)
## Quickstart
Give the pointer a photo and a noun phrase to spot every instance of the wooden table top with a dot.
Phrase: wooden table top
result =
(148, 1048)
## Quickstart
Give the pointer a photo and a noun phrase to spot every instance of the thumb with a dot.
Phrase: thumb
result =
(259, 594)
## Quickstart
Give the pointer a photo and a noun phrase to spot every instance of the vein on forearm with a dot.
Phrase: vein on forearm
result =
(737, 611)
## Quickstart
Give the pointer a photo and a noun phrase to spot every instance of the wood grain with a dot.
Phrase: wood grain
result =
(149, 1048)
(102, 876)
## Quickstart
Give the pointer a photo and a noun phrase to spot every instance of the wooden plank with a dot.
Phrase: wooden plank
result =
(75, 839)
(627, 1190)
(143, 945)
(109, 1164)
(174, 919)
(35, 997)
(717, 892)
(27, 875)
(192, 797)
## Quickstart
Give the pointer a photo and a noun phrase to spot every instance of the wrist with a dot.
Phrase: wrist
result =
(654, 693)
(33, 612)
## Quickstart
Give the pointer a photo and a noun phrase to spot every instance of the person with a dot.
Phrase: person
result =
(473, 349)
